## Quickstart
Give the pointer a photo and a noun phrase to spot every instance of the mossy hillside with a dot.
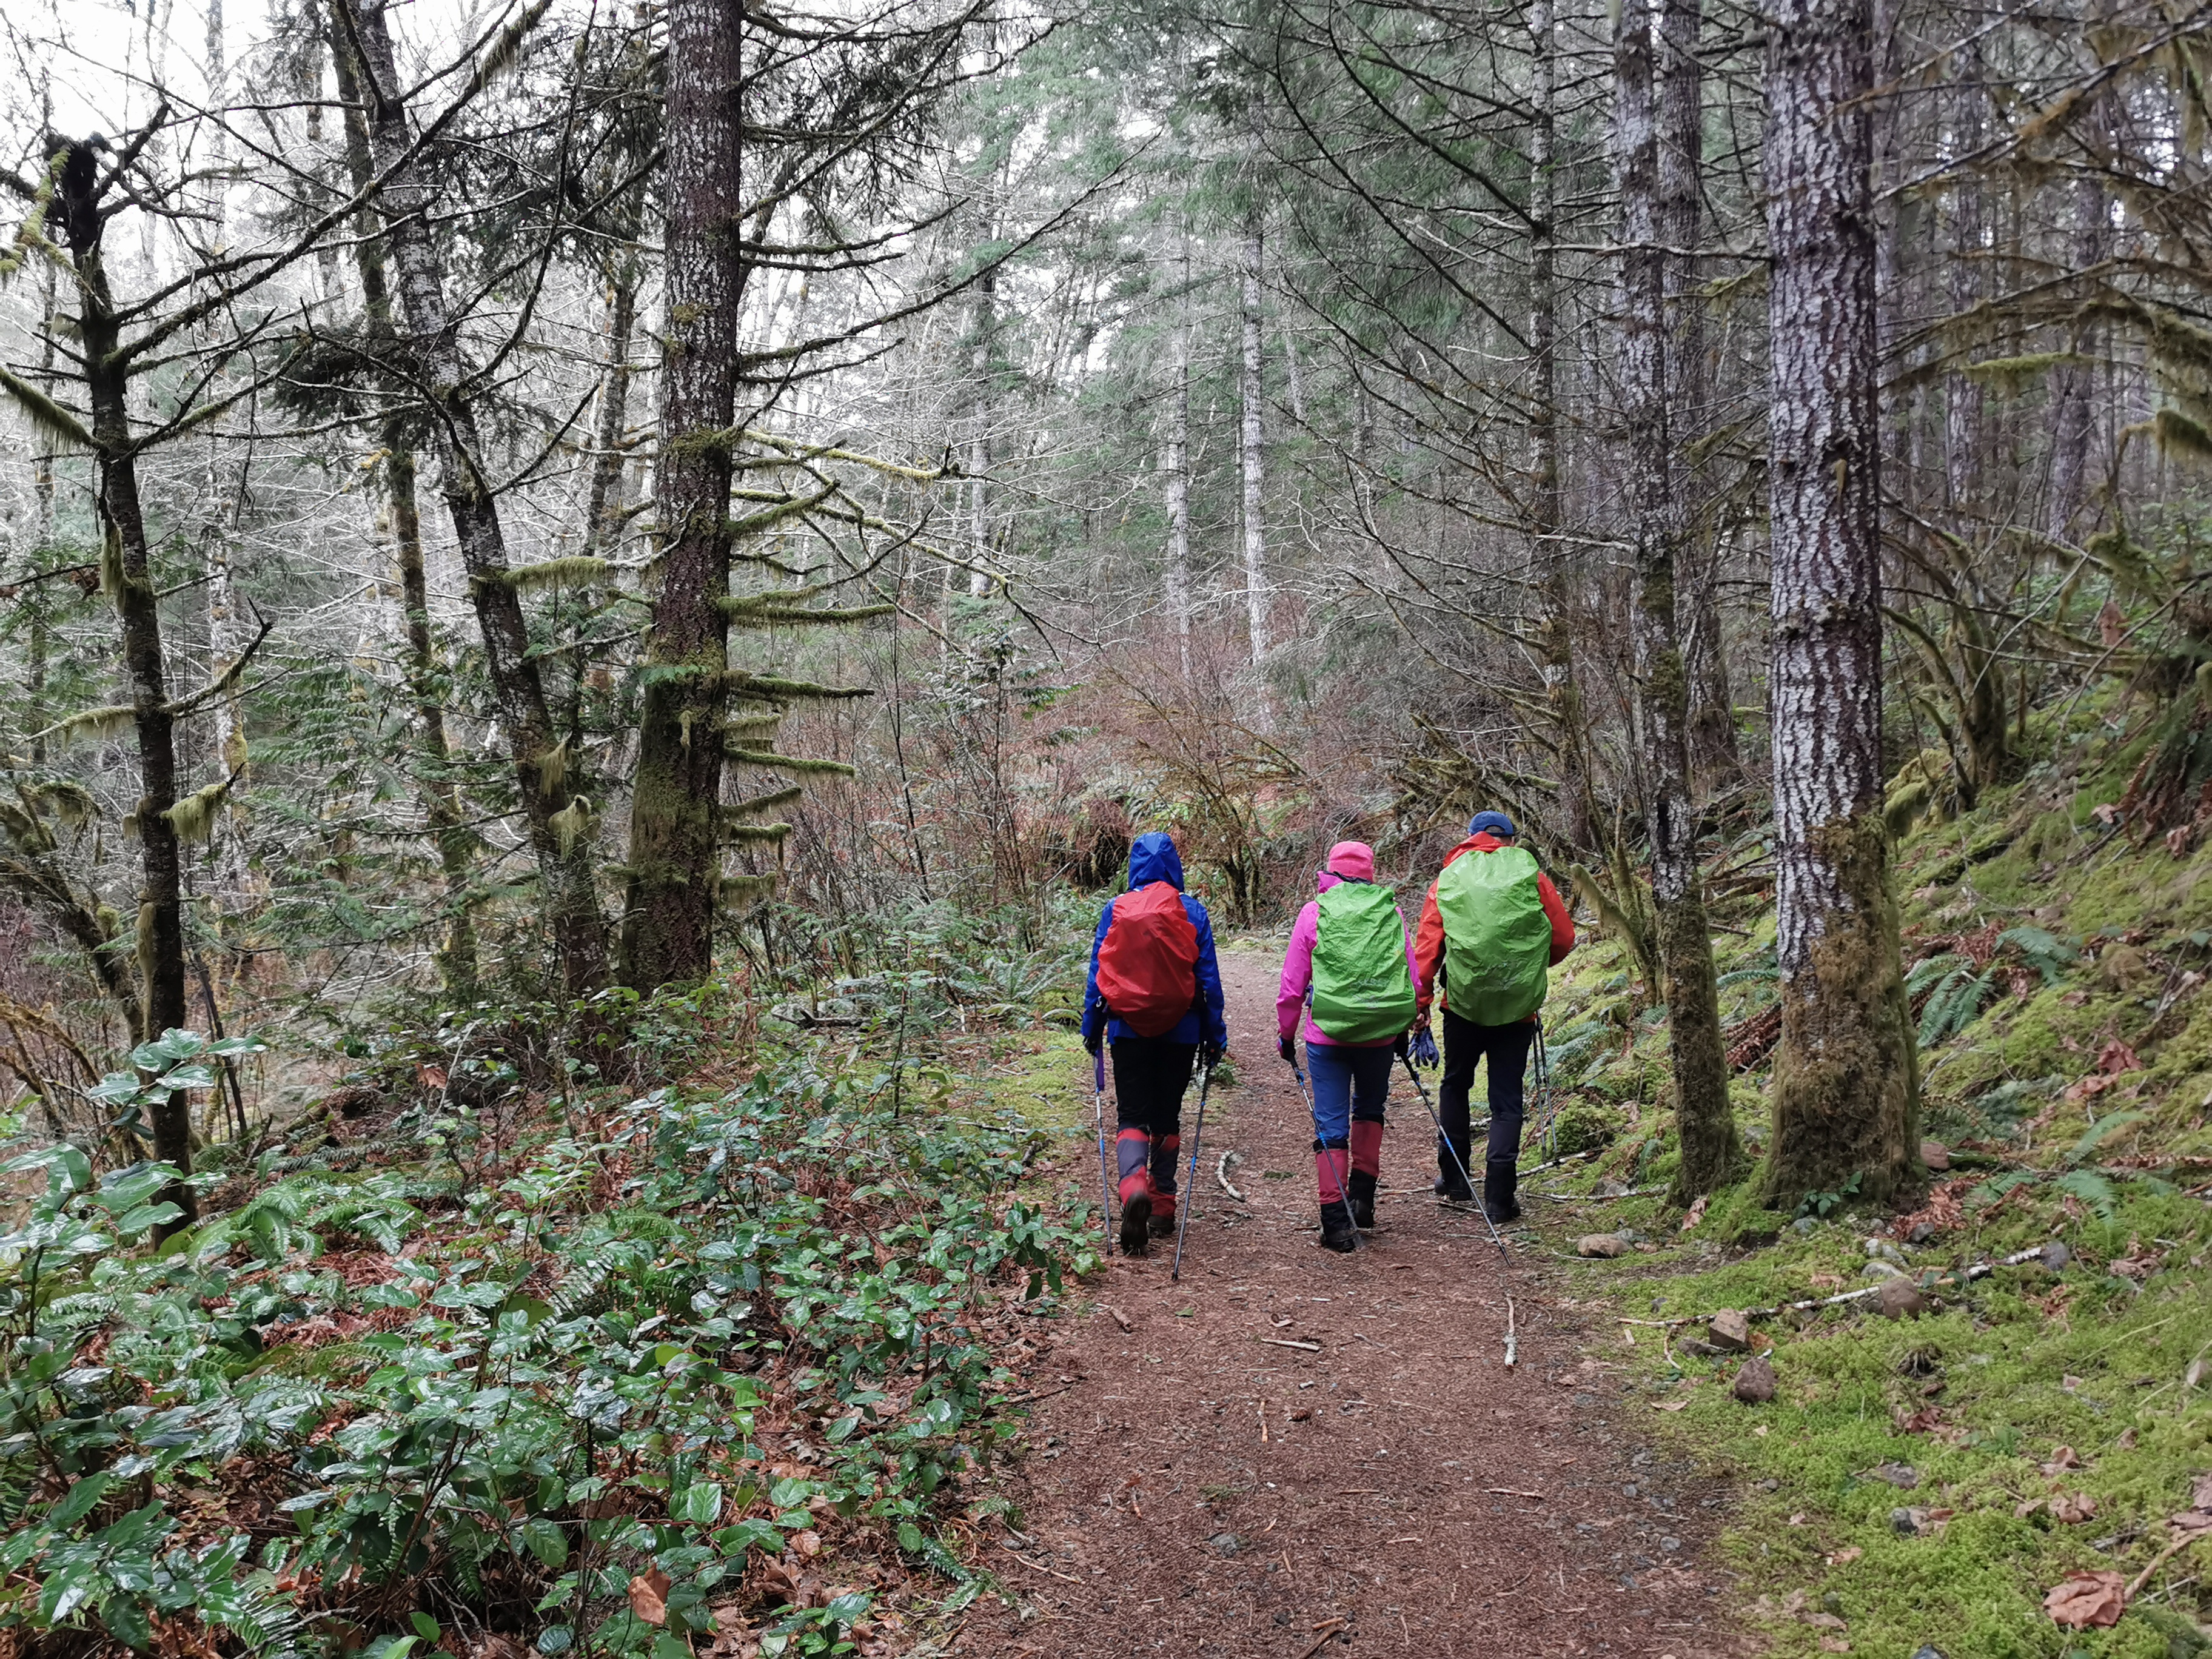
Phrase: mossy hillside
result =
(2052, 1091)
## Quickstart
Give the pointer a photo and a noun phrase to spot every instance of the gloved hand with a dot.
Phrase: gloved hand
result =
(1093, 1042)
(1288, 1049)
(1424, 1050)
(1210, 1053)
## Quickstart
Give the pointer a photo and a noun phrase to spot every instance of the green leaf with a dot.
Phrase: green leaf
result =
(145, 1216)
(547, 1542)
(79, 1501)
(699, 1503)
(910, 1538)
(126, 1622)
(425, 1625)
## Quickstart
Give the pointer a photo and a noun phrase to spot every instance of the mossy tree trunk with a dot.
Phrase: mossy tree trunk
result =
(1846, 1096)
(127, 571)
(1547, 549)
(1681, 111)
(442, 808)
(553, 809)
(675, 850)
(1710, 1148)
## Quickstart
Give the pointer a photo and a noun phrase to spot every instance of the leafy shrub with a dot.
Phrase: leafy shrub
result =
(543, 1400)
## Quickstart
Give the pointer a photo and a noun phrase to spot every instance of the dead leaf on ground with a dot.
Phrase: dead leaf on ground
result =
(648, 1596)
(2116, 1057)
(2087, 1601)
(2065, 1457)
(2072, 1508)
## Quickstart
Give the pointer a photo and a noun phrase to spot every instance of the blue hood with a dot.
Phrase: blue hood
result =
(1153, 857)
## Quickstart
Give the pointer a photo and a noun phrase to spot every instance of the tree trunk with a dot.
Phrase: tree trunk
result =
(540, 762)
(603, 511)
(1547, 550)
(442, 808)
(1962, 394)
(1681, 222)
(2073, 420)
(675, 856)
(126, 567)
(1175, 471)
(1250, 450)
(1846, 1093)
(1710, 1150)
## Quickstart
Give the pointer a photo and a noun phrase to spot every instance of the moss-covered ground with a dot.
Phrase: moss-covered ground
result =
(2050, 1421)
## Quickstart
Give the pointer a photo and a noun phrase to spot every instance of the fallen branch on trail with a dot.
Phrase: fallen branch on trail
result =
(1221, 1174)
(1280, 1342)
(1509, 1333)
(1978, 1270)
(1600, 1198)
(1328, 1635)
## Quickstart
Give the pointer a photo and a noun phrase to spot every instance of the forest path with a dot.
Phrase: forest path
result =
(1433, 1500)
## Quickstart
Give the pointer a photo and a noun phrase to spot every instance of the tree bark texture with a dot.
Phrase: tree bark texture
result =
(1962, 393)
(603, 509)
(1845, 1086)
(442, 808)
(1547, 550)
(541, 764)
(1175, 473)
(675, 854)
(1251, 453)
(2072, 418)
(1681, 148)
(1710, 1148)
(127, 569)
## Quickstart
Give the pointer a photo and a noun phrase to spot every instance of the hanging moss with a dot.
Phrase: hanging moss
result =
(2179, 434)
(71, 803)
(577, 572)
(766, 803)
(746, 757)
(102, 724)
(193, 818)
(755, 832)
(553, 769)
(571, 824)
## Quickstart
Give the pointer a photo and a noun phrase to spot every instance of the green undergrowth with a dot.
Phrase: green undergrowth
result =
(713, 1362)
(2059, 973)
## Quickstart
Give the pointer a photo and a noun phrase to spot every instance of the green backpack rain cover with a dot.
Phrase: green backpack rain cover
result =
(1498, 941)
(1361, 990)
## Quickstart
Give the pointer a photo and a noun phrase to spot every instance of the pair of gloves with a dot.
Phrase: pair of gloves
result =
(1416, 1045)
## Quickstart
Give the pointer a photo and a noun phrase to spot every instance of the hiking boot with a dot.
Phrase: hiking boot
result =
(1360, 1189)
(1136, 1215)
(1498, 1180)
(1453, 1190)
(1161, 1226)
(1337, 1232)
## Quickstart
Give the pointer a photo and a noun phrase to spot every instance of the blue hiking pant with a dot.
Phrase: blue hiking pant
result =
(1348, 1083)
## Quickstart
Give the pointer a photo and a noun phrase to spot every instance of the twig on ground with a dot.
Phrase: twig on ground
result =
(1033, 1566)
(1324, 1638)
(1120, 1318)
(1509, 1333)
(1221, 1174)
(1510, 1492)
(1978, 1270)
(1283, 1342)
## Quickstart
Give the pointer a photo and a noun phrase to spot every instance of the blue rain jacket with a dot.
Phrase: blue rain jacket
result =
(1154, 857)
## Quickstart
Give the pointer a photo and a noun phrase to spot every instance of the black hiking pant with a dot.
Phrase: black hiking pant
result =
(1150, 1077)
(1506, 1048)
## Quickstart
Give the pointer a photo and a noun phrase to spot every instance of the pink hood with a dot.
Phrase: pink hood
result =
(1348, 860)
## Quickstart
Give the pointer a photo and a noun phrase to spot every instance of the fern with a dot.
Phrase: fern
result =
(1954, 1005)
(1926, 972)
(2091, 1188)
(1747, 976)
(2105, 1126)
(2050, 955)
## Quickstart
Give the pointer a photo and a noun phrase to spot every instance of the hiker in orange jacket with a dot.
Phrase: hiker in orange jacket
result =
(1505, 1043)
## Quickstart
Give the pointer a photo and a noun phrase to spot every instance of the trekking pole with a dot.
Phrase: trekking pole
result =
(1314, 1112)
(1548, 1109)
(1421, 1090)
(1105, 1180)
(1190, 1180)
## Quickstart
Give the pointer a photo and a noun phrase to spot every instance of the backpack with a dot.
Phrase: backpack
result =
(1498, 941)
(1148, 961)
(1361, 990)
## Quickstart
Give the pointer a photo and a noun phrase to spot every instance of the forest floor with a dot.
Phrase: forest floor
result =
(1291, 1449)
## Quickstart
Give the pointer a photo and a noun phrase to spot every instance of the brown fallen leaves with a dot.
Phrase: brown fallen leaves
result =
(2087, 1601)
(648, 1596)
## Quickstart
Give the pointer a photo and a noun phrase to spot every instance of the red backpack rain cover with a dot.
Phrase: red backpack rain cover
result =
(1148, 964)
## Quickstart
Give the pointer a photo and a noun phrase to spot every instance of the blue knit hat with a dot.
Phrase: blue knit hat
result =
(1494, 823)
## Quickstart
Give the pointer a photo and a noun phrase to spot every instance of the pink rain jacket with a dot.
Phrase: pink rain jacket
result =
(1347, 858)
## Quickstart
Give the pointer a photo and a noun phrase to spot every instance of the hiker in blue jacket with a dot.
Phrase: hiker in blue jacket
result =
(1154, 992)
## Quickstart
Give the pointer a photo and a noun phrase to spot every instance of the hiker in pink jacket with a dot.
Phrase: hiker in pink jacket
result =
(1351, 1080)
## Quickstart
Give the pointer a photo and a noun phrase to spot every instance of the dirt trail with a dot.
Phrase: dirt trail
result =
(1392, 1485)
